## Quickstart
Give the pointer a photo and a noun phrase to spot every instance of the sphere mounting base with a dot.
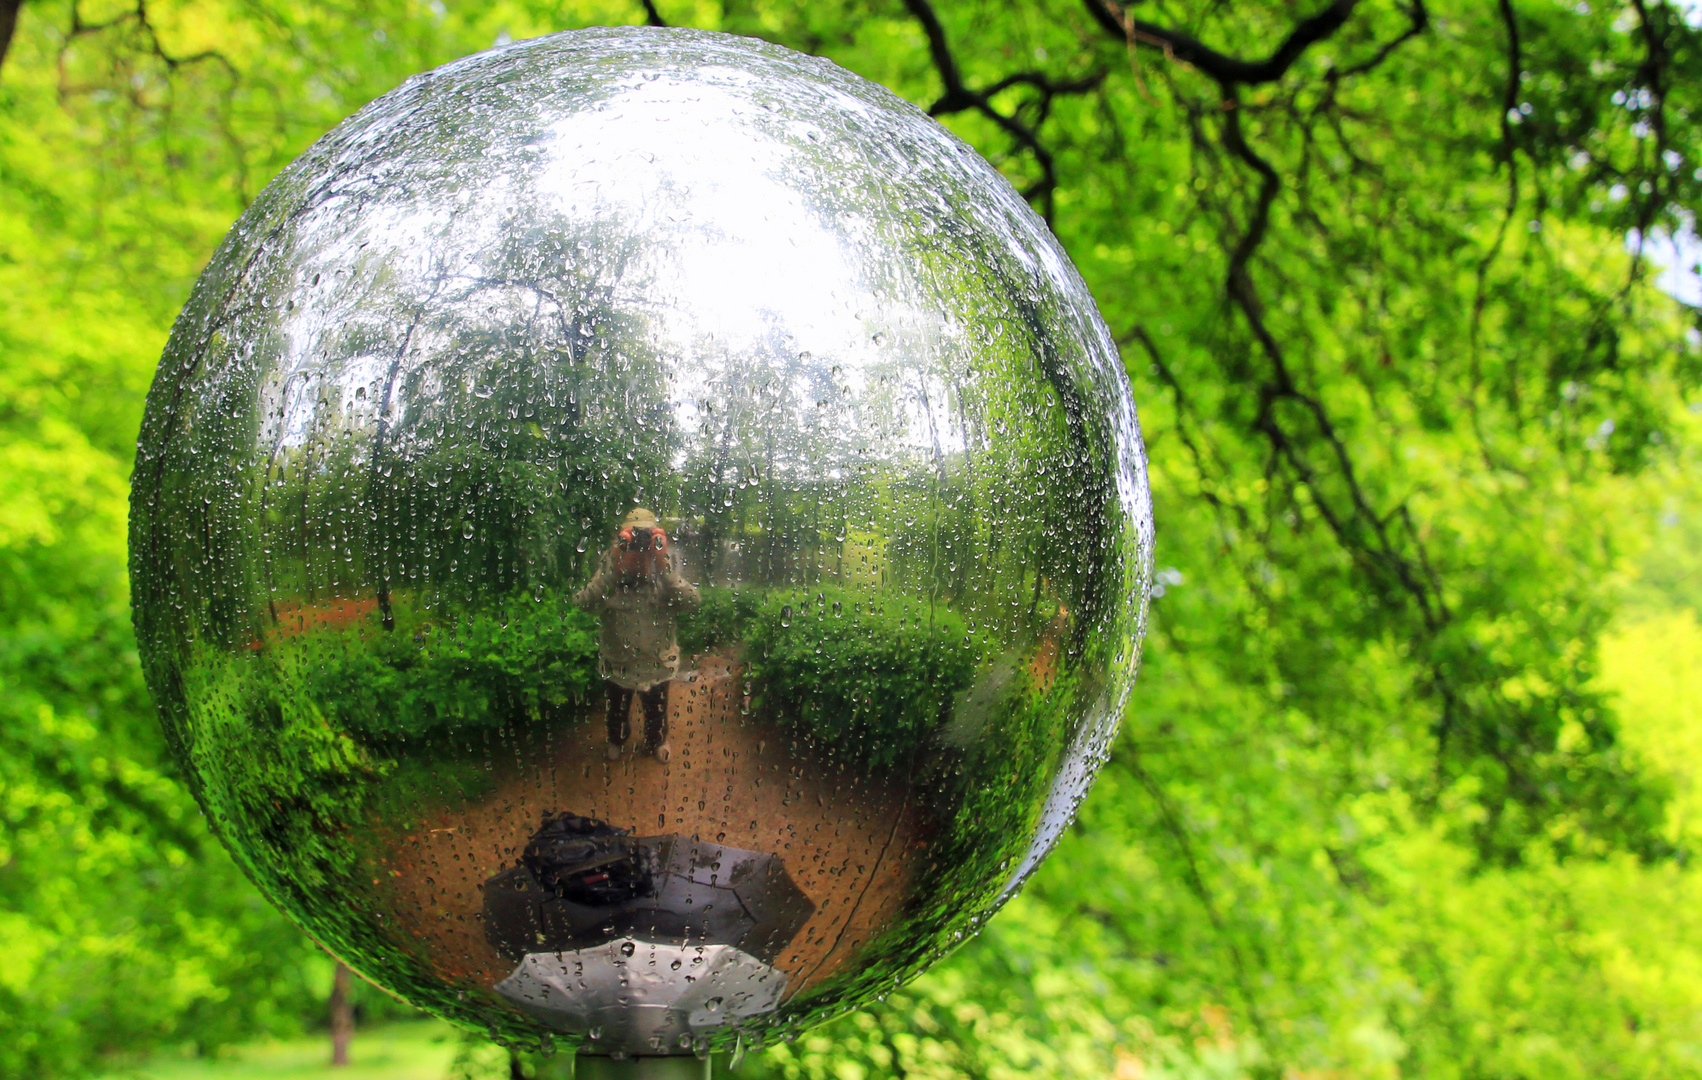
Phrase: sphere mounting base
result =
(602, 1067)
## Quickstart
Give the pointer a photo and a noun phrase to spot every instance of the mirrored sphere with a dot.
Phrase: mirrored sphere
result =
(640, 537)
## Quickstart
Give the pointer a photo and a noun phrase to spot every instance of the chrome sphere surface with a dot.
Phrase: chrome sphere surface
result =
(640, 539)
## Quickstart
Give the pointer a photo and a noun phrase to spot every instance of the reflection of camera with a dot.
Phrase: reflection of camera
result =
(640, 538)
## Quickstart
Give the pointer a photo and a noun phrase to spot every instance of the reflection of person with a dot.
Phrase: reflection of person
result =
(638, 591)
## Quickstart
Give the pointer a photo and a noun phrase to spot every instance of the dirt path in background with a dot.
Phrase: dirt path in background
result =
(847, 842)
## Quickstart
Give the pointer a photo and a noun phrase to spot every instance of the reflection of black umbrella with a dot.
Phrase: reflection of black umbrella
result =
(582, 882)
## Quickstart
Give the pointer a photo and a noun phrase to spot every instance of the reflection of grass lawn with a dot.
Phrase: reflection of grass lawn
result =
(415, 1050)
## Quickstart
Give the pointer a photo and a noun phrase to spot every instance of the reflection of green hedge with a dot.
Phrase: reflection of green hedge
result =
(314, 718)
(273, 771)
(470, 671)
(869, 676)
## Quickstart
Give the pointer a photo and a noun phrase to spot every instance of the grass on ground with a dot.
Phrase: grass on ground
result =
(411, 1050)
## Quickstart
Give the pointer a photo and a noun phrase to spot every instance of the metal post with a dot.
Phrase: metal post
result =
(681, 1067)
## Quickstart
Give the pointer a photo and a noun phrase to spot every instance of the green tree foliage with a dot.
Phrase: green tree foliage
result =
(1411, 401)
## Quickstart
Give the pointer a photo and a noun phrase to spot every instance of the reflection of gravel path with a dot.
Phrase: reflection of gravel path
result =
(847, 841)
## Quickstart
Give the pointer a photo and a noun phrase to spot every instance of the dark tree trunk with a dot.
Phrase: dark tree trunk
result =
(8, 23)
(342, 1012)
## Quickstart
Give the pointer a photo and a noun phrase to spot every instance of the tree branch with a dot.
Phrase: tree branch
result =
(1380, 556)
(1195, 880)
(1227, 71)
(8, 24)
(940, 51)
(1652, 74)
(1418, 17)
(1184, 412)
(1356, 525)
(1509, 149)
(652, 17)
(139, 14)
(960, 98)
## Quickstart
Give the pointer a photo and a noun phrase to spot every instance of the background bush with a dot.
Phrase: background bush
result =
(864, 676)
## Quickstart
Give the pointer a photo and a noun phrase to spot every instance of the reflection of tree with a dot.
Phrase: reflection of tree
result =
(475, 425)
(975, 432)
(776, 445)
(964, 453)
(1025, 516)
(193, 531)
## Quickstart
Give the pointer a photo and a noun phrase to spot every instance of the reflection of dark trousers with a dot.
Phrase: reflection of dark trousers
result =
(653, 701)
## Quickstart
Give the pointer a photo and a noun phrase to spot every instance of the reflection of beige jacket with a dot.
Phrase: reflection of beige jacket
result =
(638, 648)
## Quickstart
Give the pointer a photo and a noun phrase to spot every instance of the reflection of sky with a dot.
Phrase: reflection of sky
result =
(740, 264)
(739, 237)
(736, 264)
(378, 245)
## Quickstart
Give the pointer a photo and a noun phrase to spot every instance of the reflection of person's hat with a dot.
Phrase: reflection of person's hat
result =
(639, 519)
